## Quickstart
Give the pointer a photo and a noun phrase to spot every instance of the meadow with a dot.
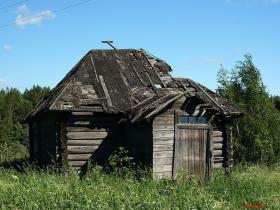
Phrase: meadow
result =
(246, 186)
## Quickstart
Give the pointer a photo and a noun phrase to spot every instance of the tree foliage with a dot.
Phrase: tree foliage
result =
(276, 101)
(14, 106)
(257, 134)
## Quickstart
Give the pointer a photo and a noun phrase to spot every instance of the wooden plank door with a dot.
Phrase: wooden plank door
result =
(190, 151)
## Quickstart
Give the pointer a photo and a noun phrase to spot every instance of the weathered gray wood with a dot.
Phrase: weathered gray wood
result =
(162, 161)
(166, 141)
(217, 133)
(162, 168)
(157, 110)
(163, 154)
(218, 159)
(163, 127)
(82, 149)
(103, 85)
(79, 156)
(87, 135)
(217, 139)
(163, 134)
(163, 147)
(166, 119)
(190, 149)
(217, 152)
(85, 142)
(81, 122)
(217, 146)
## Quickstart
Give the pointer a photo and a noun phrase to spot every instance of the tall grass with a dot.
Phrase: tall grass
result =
(47, 190)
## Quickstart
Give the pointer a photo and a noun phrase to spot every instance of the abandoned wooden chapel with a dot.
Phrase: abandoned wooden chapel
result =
(127, 97)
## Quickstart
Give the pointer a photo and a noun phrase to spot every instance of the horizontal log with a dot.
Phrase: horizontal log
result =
(162, 168)
(80, 123)
(86, 129)
(163, 154)
(79, 156)
(217, 139)
(87, 135)
(85, 142)
(217, 153)
(217, 146)
(162, 175)
(82, 149)
(162, 147)
(163, 134)
(79, 163)
(217, 133)
(162, 161)
(218, 159)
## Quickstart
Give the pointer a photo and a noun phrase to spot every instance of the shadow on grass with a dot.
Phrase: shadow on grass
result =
(19, 165)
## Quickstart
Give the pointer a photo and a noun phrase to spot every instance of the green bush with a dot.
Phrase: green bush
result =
(12, 152)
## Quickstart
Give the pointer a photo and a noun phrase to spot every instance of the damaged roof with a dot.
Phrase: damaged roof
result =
(128, 81)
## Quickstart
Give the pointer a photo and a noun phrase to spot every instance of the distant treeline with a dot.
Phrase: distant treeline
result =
(14, 106)
(256, 135)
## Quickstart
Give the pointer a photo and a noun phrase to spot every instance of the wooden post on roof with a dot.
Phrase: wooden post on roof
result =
(109, 42)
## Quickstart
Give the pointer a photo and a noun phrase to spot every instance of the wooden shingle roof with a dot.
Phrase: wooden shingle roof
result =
(127, 81)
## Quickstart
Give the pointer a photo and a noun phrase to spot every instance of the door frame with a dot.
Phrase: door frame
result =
(209, 144)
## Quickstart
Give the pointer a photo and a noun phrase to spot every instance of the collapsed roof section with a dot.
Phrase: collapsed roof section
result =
(127, 81)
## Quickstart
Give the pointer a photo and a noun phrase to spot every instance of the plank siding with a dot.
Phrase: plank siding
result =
(163, 143)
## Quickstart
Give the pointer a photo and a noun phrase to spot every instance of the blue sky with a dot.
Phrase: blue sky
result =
(195, 37)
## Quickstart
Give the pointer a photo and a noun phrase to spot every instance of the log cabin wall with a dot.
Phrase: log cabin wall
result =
(43, 137)
(89, 137)
(222, 145)
(139, 142)
(218, 142)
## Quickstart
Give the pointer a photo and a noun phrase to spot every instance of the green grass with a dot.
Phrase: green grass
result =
(46, 190)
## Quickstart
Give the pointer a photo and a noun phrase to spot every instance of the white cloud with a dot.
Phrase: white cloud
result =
(26, 17)
(7, 47)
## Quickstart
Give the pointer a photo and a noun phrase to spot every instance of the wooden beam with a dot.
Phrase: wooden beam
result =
(157, 110)
(103, 85)
(87, 135)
